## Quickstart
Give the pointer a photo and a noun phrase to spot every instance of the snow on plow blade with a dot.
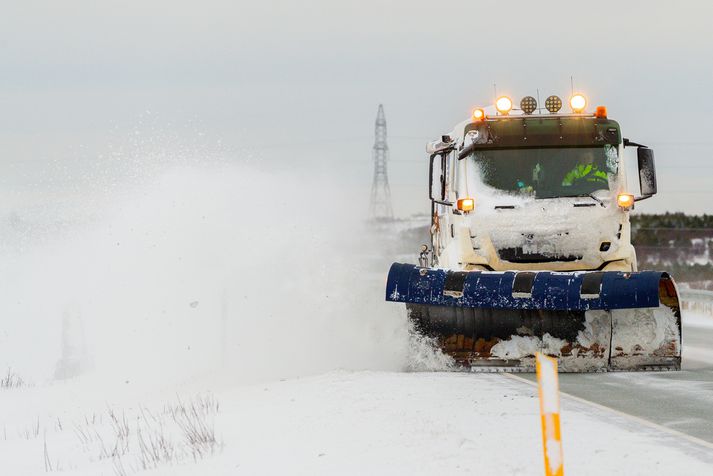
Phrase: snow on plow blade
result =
(589, 321)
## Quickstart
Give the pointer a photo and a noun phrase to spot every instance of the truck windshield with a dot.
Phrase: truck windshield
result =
(548, 172)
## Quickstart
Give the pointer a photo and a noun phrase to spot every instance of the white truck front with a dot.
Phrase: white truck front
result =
(534, 192)
(531, 248)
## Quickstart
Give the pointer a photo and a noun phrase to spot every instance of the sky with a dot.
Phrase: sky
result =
(296, 84)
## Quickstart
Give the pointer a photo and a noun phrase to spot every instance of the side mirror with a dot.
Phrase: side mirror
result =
(437, 170)
(647, 172)
(430, 175)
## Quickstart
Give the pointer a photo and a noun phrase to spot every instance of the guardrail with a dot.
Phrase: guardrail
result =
(698, 300)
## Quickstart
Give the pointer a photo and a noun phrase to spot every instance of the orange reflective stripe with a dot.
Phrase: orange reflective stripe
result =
(548, 389)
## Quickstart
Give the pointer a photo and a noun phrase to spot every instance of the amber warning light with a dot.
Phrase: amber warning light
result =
(478, 114)
(625, 200)
(465, 204)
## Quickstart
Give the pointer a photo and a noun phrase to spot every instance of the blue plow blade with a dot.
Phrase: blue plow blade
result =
(580, 291)
(590, 321)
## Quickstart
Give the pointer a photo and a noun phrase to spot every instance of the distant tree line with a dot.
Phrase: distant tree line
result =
(678, 243)
(670, 229)
(671, 220)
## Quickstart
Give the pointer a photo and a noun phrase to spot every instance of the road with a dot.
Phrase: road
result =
(681, 401)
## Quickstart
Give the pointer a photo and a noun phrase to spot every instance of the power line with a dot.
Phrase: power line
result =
(670, 248)
(710, 166)
(635, 228)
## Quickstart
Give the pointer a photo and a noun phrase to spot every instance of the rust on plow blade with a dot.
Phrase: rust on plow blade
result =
(598, 340)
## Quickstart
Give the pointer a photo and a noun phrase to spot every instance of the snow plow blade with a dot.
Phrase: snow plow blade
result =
(589, 321)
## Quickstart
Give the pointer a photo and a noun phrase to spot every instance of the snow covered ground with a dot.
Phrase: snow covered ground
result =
(341, 422)
(116, 319)
(338, 422)
(442, 423)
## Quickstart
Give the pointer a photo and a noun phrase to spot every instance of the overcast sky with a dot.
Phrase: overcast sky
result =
(299, 82)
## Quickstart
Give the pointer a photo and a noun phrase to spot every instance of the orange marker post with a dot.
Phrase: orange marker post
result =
(548, 386)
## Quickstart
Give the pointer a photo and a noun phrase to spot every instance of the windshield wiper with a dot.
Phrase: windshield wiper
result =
(591, 195)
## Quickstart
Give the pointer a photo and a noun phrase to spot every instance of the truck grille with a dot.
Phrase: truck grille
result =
(517, 255)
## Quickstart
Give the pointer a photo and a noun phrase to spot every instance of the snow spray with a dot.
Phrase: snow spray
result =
(197, 265)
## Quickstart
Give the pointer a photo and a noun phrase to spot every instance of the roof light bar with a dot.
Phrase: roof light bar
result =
(553, 104)
(528, 104)
(503, 105)
(578, 103)
(478, 114)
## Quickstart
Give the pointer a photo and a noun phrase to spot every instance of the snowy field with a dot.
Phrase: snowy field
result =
(338, 422)
(157, 327)
(341, 422)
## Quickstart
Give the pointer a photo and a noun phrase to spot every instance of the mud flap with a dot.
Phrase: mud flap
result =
(594, 321)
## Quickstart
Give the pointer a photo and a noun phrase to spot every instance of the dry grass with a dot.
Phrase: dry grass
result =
(11, 380)
(196, 421)
(144, 440)
(130, 440)
(31, 432)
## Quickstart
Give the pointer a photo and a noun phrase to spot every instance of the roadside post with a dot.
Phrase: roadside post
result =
(548, 386)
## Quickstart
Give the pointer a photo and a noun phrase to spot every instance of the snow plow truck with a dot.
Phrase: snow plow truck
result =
(531, 245)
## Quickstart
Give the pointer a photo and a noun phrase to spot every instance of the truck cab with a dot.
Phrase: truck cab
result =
(527, 190)
(531, 246)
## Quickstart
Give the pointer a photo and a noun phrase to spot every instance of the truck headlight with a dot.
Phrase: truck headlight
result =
(625, 200)
(466, 204)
